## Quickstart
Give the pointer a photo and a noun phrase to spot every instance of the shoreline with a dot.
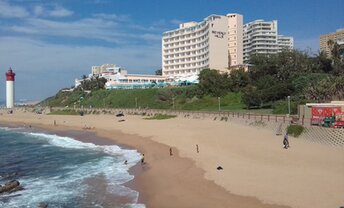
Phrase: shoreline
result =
(253, 166)
(141, 182)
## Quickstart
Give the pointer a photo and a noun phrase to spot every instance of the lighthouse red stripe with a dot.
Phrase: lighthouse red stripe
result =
(10, 75)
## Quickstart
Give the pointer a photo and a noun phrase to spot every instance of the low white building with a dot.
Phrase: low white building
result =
(118, 78)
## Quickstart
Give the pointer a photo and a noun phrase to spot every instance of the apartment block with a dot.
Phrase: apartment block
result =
(195, 46)
(325, 41)
(285, 43)
(235, 39)
(261, 37)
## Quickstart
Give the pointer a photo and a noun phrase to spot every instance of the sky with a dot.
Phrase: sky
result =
(49, 43)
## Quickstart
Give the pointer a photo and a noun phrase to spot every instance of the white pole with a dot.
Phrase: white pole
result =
(289, 105)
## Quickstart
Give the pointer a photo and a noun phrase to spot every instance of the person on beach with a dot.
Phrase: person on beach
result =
(286, 141)
(171, 151)
(197, 150)
(143, 159)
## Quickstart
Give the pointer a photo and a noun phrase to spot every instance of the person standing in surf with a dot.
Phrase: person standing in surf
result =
(143, 159)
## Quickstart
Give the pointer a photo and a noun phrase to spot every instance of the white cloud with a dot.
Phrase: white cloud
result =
(38, 10)
(43, 68)
(89, 28)
(60, 12)
(176, 21)
(11, 11)
(120, 18)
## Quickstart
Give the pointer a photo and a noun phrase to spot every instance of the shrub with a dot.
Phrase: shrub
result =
(160, 117)
(281, 107)
(65, 112)
(295, 130)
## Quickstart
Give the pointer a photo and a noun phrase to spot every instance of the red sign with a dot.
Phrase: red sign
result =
(319, 113)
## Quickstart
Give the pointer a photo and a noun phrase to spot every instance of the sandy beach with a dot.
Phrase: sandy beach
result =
(257, 171)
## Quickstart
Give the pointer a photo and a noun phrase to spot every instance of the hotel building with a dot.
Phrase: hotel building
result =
(218, 42)
(337, 37)
(262, 37)
(195, 46)
(235, 39)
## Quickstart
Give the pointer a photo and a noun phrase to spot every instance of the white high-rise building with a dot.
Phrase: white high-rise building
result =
(262, 37)
(195, 46)
(285, 43)
(235, 39)
(218, 42)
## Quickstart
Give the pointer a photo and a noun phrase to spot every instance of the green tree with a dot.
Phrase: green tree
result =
(337, 52)
(238, 80)
(158, 72)
(322, 91)
(211, 82)
(321, 63)
(93, 83)
(251, 97)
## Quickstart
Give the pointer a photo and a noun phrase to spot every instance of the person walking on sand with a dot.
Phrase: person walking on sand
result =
(286, 141)
(143, 159)
(171, 151)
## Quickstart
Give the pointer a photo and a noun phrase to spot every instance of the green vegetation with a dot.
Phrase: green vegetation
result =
(295, 130)
(160, 117)
(65, 112)
(265, 86)
(179, 98)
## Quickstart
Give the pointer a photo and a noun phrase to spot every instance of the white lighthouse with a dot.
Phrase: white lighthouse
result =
(10, 88)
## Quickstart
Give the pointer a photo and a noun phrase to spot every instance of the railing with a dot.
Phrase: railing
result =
(276, 123)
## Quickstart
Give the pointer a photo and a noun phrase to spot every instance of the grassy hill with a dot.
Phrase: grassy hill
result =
(180, 98)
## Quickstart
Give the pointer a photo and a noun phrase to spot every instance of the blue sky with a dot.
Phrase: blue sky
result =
(50, 43)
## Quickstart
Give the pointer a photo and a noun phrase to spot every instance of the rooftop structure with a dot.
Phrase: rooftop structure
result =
(105, 68)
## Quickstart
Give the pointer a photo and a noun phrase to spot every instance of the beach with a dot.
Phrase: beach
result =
(256, 170)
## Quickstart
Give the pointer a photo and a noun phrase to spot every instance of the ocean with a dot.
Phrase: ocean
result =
(64, 172)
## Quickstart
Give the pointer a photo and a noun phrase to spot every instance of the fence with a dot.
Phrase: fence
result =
(276, 123)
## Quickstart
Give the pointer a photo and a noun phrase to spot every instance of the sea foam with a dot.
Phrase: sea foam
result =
(65, 187)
